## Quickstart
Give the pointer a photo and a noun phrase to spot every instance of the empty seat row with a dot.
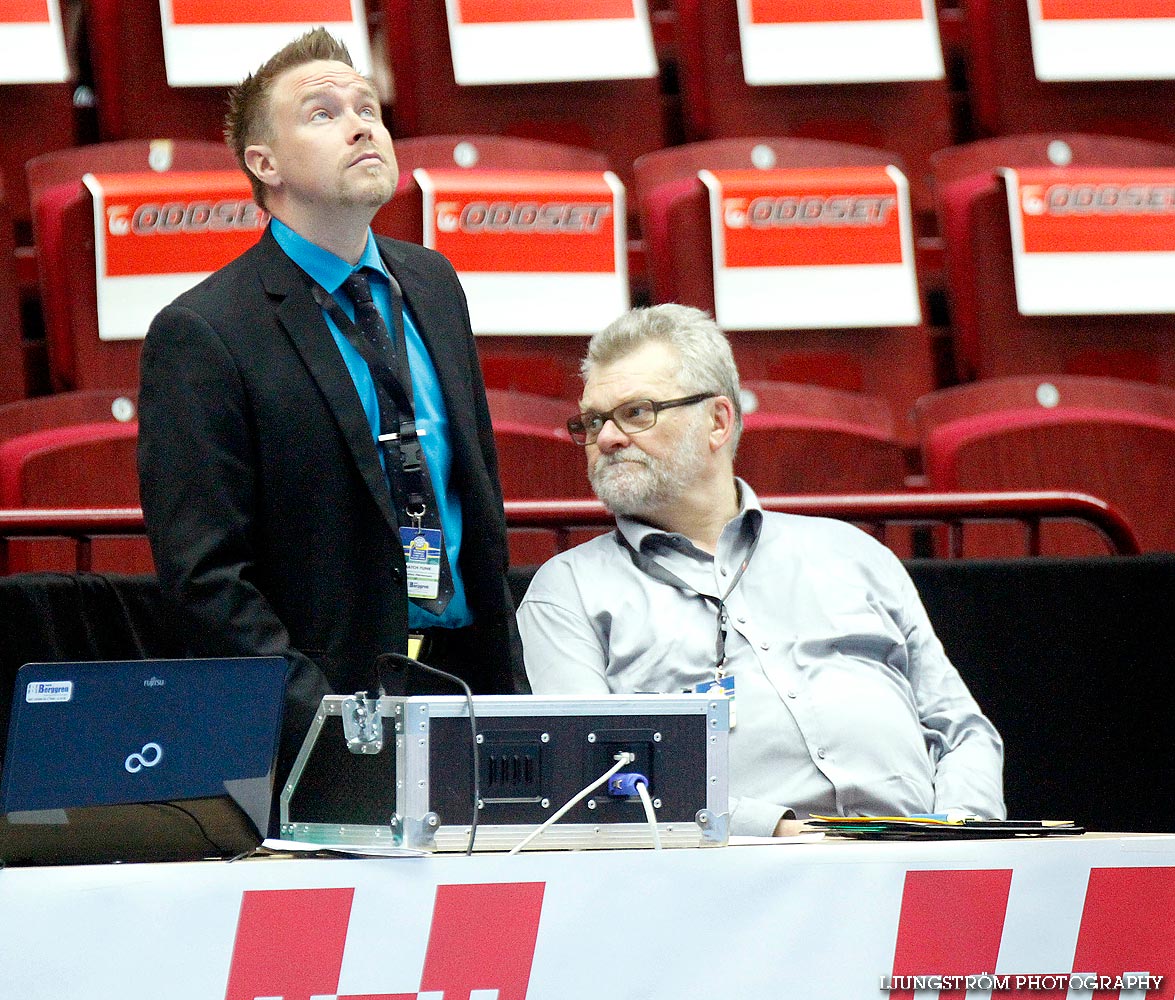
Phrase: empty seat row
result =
(796, 307)
(894, 94)
(1111, 439)
(1108, 438)
(71, 451)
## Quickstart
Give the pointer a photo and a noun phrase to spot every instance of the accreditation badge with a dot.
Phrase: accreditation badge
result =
(422, 557)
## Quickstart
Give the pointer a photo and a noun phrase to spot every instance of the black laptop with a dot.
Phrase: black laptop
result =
(140, 760)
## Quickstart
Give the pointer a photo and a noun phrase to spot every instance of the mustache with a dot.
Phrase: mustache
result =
(629, 454)
(369, 150)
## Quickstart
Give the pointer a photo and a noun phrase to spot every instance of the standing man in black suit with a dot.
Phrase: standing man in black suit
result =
(282, 483)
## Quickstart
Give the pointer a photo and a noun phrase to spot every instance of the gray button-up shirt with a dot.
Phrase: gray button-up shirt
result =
(845, 702)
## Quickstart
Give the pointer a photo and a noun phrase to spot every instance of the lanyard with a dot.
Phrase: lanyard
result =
(393, 390)
(659, 573)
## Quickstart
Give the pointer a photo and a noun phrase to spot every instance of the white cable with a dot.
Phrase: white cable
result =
(622, 758)
(643, 791)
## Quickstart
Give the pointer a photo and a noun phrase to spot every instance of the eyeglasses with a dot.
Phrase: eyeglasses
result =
(631, 417)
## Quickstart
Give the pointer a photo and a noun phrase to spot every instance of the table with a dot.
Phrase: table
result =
(820, 919)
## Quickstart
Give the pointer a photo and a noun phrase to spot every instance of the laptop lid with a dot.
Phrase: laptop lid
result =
(91, 734)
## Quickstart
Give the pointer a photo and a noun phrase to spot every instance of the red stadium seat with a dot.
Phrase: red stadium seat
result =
(1107, 437)
(72, 450)
(13, 381)
(621, 118)
(896, 364)
(46, 111)
(33, 103)
(134, 99)
(544, 365)
(991, 338)
(75, 466)
(65, 409)
(801, 439)
(537, 460)
(913, 119)
(402, 217)
(64, 240)
(1007, 98)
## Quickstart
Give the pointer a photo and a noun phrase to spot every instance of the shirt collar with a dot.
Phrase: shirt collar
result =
(637, 533)
(322, 265)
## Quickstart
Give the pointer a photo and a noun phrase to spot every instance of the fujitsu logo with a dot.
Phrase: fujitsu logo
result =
(290, 942)
(958, 925)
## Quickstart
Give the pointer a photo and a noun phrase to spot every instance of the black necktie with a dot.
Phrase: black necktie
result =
(410, 490)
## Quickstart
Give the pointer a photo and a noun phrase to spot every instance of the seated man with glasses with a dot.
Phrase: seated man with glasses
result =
(842, 699)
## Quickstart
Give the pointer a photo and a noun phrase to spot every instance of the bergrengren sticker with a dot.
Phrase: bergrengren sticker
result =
(46, 691)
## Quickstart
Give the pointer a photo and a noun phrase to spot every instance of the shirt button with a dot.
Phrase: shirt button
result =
(764, 645)
(820, 753)
(791, 693)
(742, 619)
(723, 571)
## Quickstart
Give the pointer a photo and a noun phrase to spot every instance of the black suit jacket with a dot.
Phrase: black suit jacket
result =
(268, 513)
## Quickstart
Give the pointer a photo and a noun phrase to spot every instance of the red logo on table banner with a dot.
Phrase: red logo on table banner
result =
(229, 12)
(1113, 10)
(952, 925)
(1097, 210)
(290, 943)
(531, 222)
(837, 215)
(178, 222)
(24, 12)
(828, 11)
(505, 11)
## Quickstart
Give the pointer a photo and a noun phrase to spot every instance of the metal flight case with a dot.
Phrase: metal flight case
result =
(395, 772)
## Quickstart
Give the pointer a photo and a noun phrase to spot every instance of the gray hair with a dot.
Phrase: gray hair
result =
(707, 364)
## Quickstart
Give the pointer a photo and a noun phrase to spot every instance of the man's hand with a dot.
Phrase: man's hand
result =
(790, 828)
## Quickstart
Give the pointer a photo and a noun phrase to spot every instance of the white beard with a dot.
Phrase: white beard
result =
(632, 483)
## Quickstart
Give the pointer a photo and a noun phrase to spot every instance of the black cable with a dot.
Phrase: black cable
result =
(192, 816)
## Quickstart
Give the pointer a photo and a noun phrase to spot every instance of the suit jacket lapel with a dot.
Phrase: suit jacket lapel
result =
(301, 318)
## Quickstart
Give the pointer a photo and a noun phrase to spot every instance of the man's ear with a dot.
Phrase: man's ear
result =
(721, 421)
(262, 164)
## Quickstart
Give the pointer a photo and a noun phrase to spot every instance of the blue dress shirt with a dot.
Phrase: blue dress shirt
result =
(432, 417)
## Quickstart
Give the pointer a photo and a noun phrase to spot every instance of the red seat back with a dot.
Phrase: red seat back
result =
(29, 103)
(134, 99)
(1007, 98)
(913, 119)
(991, 338)
(1112, 439)
(808, 439)
(13, 379)
(64, 237)
(537, 460)
(896, 364)
(72, 450)
(543, 365)
(620, 118)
